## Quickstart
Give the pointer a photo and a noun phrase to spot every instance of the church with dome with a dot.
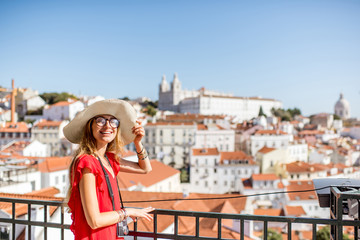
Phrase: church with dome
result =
(342, 108)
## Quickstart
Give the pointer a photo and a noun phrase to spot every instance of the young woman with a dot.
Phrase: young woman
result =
(101, 130)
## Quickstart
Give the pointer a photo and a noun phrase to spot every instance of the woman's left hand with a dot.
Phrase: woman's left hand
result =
(139, 131)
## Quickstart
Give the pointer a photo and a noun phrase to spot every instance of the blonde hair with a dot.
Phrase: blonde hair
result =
(87, 145)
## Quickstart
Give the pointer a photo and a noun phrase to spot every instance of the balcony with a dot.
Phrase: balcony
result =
(37, 223)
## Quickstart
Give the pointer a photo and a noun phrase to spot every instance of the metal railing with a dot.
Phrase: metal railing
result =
(239, 219)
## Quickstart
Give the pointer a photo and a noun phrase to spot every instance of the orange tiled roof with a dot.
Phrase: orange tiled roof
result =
(170, 124)
(204, 151)
(193, 117)
(294, 211)
(270, 132)
(263, 177)
(268, 212)
(301, 186)
(186, 224)
(265, 150)
(202, 127)
(159, 173)
(235, 156)
(16, 147)
(45, 192)
(62, 103)
(47, 123)
(301, 167)
(15, 127)
(53, 164)
(310, 132)
(21, 209)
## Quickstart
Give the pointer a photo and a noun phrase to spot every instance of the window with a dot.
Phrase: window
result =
(225, 183)
(57, 180)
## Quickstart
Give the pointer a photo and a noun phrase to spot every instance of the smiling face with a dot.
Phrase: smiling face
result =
(104, 133)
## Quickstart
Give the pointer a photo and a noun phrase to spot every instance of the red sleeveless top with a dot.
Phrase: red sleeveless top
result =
(79, 226)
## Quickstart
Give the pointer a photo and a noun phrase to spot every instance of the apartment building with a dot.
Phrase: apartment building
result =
(269, 138)
(64, 110)
(212, 171)
(214, 136)
(14, 131)
(51, 134)
(170, 142)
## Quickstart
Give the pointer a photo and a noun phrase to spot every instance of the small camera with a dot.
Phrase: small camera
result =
(122, 228)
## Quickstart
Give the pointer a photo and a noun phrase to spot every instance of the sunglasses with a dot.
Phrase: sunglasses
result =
(101, 121)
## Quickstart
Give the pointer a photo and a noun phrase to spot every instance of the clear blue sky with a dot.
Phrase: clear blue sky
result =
(302, 52)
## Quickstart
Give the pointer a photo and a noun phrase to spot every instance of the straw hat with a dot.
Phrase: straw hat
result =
(120, 109)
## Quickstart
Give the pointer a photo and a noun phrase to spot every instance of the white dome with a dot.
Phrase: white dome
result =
(342, 107)
(342, 102)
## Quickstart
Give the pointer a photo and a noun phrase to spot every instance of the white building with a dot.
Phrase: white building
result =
(18, 175)
(342, 107)
(170, 142)
(27, 149)
(214, 136)
(307, 199)
(64, 110)
(269, 138)
(212, 171)
(355, 132)
(298, 151)
(55, 172)
(51, 134)
(14, 132)
(28, 100)
(319, 156)
(263, 183)
(173, 98)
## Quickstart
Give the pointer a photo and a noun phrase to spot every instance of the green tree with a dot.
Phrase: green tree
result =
(125, 98)
(293, 112)
(261, 112)
(273, 235)
(287, 115)
(53, 97)
(337, 117)
(324, 234)
(150, 110)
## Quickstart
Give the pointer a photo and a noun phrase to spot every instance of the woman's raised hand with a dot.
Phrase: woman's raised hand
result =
(135, 213)
(139, 131)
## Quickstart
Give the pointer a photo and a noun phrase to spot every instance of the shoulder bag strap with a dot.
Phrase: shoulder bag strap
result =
(108, 184)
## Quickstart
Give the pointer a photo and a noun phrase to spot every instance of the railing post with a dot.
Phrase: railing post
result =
(155, 224)
(13, 213)
(265, 229)
(314, 231)
(176, 224)
(45, 220)
(289, 230)
(242, 234)
(197, 226)
(62, 222)
(219, 228)
(29, 219)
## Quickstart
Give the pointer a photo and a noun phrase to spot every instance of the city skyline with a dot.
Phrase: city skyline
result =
(302, 53)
